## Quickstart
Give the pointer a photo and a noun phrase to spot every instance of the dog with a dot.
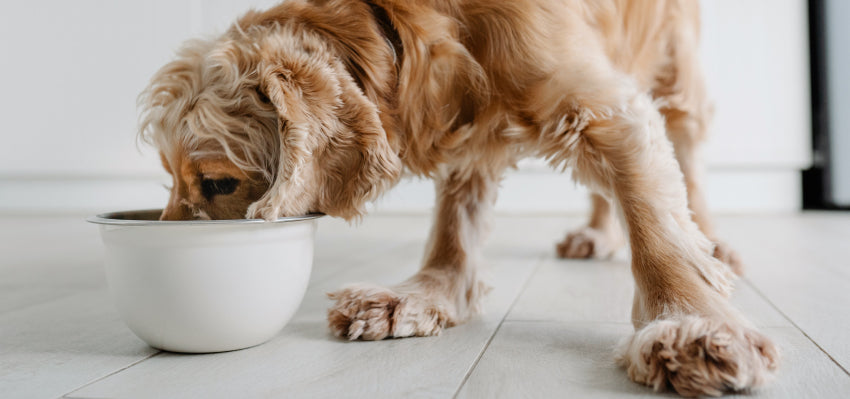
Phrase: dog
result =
(322, 105)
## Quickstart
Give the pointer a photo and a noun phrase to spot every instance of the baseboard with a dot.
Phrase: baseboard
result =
(728, 191)
(522, 192)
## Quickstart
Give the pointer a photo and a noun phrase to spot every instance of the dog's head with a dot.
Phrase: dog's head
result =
(265, 123)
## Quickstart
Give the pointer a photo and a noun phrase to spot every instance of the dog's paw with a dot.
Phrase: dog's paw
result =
(588, 242)
(727, 255)
(374, 313)
(698, 356)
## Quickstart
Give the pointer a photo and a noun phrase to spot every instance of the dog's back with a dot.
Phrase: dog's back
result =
(498, 58)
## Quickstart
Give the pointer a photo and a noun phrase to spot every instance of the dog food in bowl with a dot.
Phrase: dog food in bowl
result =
(206, 285)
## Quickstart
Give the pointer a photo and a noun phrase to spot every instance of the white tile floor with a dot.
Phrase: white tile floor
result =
(548, 332)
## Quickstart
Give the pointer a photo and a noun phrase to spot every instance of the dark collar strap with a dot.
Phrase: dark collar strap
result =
(389, 32)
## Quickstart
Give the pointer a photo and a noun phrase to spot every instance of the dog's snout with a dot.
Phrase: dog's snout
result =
(176, 212)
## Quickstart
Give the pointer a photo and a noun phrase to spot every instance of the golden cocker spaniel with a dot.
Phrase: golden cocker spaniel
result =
(320, 105)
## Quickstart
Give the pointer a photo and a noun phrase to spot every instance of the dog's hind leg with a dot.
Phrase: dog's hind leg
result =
(599, 239)
(447, 290)
(688, 335)
(686, 130)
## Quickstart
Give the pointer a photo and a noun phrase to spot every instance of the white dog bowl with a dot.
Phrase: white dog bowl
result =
(206, 285)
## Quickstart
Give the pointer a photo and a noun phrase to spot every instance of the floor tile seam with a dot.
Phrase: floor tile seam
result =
(495, 332)
(795, 325)
(96, 380)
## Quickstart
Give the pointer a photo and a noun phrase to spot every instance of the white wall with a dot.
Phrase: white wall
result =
(70, 73)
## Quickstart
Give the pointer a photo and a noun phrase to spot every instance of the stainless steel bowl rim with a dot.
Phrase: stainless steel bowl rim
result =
(112, 218)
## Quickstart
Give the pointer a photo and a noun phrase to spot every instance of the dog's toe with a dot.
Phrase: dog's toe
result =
(698, 356)
(374, 313)
(727, 255)
(587, 243)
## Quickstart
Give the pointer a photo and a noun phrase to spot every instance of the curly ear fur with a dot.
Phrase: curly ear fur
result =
(334, 154)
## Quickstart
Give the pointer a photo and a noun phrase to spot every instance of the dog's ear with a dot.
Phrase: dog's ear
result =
(334, 155)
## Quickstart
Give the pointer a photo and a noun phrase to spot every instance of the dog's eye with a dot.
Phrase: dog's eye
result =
(212, 187)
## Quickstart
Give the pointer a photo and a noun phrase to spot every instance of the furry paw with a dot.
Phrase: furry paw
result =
(727, 255)
(698, 356)
(588, 242)
(374, 313)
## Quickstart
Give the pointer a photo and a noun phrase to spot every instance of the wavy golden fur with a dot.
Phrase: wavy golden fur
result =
(311, 107)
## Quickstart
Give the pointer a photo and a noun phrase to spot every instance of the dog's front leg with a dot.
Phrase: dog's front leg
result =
(688, 335)
(447, 290)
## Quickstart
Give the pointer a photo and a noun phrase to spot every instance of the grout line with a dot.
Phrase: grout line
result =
(472, 367)
(112, 373)
(566, 321)
(763, 296)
